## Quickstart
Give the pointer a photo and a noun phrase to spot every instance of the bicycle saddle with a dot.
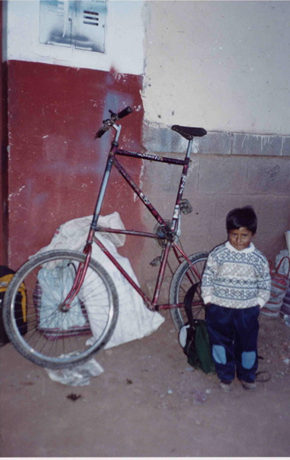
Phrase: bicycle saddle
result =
(189, 133)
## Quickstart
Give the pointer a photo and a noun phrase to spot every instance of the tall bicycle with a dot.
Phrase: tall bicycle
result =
(84, 298)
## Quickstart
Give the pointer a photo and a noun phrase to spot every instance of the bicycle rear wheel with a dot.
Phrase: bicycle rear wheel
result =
(185, 276)
(54, 338)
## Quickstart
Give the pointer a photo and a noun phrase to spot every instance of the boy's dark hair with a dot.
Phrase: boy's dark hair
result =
(242, 217)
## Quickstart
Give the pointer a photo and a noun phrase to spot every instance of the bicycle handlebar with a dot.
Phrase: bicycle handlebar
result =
(107, 124)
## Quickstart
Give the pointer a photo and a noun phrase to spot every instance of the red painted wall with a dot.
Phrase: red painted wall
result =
(55, 164)
(3, 162)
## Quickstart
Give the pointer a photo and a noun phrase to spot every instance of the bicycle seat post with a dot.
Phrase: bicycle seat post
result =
(189, 147)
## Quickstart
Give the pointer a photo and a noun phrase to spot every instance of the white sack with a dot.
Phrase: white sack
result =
(135, 319)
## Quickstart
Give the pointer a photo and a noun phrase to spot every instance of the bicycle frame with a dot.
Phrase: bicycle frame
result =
(170, 231)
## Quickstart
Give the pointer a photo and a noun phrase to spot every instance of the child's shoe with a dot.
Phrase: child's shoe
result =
(226, 386)
(248, 385)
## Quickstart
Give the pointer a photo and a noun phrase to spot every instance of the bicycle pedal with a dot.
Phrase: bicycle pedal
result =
(156, 261)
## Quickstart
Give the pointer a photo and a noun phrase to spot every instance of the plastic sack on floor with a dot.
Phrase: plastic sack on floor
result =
(281, 259)
(135, 320)
(287, 237)
(279, 285)
(79, 375)
(285, 308)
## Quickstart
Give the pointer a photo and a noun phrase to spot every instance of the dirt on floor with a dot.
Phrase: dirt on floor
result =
(148, 402)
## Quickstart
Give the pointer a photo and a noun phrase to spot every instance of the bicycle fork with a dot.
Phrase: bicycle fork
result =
(83, 266)
(78, 281)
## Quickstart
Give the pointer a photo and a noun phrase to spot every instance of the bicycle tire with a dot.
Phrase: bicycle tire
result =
(182, 280)
(57, 339)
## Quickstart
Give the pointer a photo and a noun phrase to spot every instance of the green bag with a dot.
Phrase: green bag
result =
(193, 337)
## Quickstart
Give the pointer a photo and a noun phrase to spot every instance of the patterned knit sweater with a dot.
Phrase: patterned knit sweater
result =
(236, 279)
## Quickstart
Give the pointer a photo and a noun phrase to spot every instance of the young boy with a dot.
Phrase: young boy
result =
(235, 285)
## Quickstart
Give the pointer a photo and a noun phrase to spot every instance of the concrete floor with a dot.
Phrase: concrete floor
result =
(147, 402)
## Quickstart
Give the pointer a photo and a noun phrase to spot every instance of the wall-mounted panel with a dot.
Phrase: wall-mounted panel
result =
(71, 23)
(36, 29)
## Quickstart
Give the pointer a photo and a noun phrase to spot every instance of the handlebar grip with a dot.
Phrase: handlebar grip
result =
(101, 132)
(125, 112)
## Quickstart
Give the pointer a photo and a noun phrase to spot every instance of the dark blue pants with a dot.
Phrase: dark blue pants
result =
(233, 334)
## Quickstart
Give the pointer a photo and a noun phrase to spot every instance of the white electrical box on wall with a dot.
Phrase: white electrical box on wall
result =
(91, 34)
(73, 23)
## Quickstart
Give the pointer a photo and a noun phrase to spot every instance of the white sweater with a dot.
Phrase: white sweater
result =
(236, 279)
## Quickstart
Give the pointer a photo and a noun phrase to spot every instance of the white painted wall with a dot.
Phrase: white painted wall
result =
(221, 65)
(124, 38)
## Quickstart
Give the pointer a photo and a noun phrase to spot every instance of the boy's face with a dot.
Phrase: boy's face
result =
(240, 238)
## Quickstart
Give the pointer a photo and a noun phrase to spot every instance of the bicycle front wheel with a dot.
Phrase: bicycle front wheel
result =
(185, 276)
(48, 334)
